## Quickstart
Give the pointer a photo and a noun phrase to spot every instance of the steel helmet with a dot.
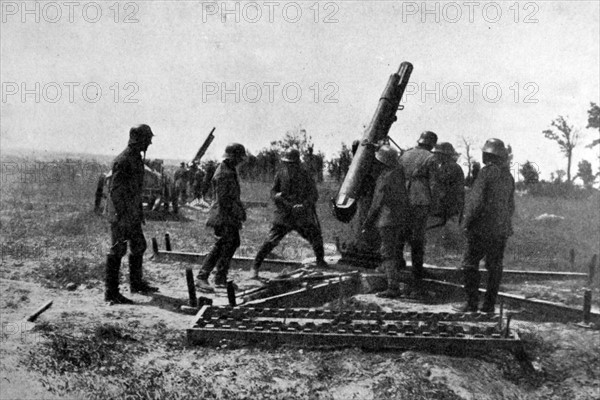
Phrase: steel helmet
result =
(234, 151)
(291, 156)
(140, 134)
(428, 138)
(495, 147)
(444, 148)
(387, 156)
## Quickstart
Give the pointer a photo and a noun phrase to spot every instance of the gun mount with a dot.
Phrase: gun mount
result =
(356, 191)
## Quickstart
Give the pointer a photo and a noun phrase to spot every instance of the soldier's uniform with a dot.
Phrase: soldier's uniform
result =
(487, 222)
(126, 215)
(197, 183)
(419, 168)
(389, 214)
(295, 195)
(181, 178)
(225, 217)
(448, 184)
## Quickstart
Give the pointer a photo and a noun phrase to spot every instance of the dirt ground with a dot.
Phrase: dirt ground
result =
(84, 348)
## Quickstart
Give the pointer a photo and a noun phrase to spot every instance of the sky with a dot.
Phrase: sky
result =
(75, 76)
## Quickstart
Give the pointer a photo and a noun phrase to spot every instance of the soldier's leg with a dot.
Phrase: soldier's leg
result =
(113, 264)
(231, 241)
(493, 263)
(276, 233)
(312, 233)
(389, 250)
(470, 269)
(417, 239)
(212, 257)
(137, 243)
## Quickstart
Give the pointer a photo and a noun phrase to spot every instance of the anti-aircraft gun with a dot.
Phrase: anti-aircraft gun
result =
(356, 192)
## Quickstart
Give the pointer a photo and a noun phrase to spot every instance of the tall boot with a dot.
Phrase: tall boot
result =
(320, 254)
(263, 252)
(111, 294)
(471, 280)
(491, 291)
(393, 280)
(136, 281)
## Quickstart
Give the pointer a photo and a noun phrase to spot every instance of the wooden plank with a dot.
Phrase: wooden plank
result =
(542, 308)
(245, 263)
(311, 296)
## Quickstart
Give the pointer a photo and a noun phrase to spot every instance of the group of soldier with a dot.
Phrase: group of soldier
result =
(191, 180)
(423, 181)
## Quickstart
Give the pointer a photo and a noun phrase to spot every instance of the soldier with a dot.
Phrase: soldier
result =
(226, 217)
(388, 212)
(181, 181)
(487, 224)
(198, 180)
(449, 183)
(126, 216)
(419, 169)
(295, 195)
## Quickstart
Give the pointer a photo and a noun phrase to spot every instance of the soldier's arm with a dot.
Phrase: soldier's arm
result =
(276, 194)
(475, 199)
(120, 191)
(376, 203)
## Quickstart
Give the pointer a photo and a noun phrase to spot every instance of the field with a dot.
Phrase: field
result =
(54, 246)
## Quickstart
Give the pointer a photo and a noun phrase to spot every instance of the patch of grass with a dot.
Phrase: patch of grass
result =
(12, 298)
(64, 270)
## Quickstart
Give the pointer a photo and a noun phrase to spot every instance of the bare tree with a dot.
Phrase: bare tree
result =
(468, 146)
(566, 138)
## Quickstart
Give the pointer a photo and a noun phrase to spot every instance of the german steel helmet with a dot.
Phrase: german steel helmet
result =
(388, 156)
(140, 133)
(291, 156)
(428, 138)
(235, 151)
(495, 147)
(444, 148)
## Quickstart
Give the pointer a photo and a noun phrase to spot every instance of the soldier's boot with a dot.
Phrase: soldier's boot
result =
(263, 252)
(203, 285)
(255, 269)
(471, 279)
(320, 254)
(136, 281)
(393, 280)
(111, 293)
(491, 291)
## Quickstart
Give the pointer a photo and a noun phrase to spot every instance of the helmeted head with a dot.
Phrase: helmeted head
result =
(182, 165)
(387, 156)
(140, 136)
(496, 148)
(235, 152)
(291, 156)
(444, 148)
(427, 139)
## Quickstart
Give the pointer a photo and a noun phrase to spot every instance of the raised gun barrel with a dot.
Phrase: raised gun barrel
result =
(345, 204)
(204, 146)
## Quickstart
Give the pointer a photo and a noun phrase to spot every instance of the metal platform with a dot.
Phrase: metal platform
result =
(356, 328)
